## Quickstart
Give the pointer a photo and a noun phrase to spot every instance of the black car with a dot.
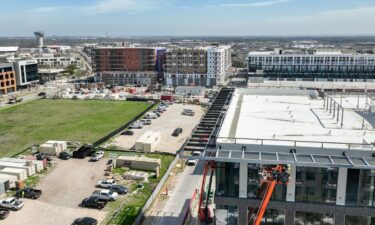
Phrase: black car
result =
(93, 202)
(64, 155)
(29, 192)
(42, 94)
(119, 189)
(85, 221)
(127, 132)
(177, 132)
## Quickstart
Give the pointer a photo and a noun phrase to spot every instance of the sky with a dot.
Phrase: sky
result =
(187, 17)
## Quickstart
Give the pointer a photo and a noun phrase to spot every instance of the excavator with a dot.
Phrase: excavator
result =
(271, 176)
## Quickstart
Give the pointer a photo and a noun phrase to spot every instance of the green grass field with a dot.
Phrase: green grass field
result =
(35, 122)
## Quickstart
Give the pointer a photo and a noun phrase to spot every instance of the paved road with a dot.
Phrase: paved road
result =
(174, 209)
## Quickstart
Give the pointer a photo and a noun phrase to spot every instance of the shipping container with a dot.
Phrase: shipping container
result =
(19, 173)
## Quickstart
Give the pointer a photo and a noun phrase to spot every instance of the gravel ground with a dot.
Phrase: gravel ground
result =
(166, 124)
(63, 189)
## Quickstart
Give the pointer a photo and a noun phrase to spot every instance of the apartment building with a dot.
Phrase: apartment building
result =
(124, 65)
(201, 66)
(51, 61)
(328, 152)
(8, 82)
(313, 66)
(26, 72)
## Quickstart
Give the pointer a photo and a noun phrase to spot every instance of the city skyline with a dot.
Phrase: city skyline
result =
(180, 18)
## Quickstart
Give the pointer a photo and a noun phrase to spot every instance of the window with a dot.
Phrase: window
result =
(226, 215)
(360, 188)
(316, 185)
(359, 220)
(309, 218)
(227, 179)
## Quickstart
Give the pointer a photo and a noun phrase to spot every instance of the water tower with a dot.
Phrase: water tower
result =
(40, 35)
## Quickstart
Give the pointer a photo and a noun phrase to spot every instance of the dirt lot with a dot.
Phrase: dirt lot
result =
(166, 124)
(63, 189)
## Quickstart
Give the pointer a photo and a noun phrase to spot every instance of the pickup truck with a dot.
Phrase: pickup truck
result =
(93, 202)
(106, 195)
(29, 193)
(11, 203)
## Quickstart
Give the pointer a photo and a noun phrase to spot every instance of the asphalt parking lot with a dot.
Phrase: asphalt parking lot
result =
(166, 124)
(64, 187)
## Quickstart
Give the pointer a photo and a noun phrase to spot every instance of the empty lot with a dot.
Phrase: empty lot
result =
(166, 124)
(35, 122)
(63, 188)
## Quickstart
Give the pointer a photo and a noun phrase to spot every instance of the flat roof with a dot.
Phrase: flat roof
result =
(8, 48)
(291, 114)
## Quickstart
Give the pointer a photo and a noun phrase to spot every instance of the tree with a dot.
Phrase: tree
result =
(71, 69)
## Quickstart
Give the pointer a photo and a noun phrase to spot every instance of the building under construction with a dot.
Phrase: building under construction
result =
(289, 156)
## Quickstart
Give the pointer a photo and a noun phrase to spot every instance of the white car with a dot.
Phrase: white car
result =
(97, 155)
(106, 195)
(191, 162)
(11, 203)
(106, 183)
(137, 125)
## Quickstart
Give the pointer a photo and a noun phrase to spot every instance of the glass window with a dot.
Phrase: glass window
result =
(271, 217)
(359, 220)
(360, 187)
(309, 218)
(316, 185)
(227, 179)
(226, 215)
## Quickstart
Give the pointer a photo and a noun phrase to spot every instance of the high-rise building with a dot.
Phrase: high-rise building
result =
(326, 147)
(312, 66)
(201, 66)
(125, 66)
(26, 72)
(8, 82)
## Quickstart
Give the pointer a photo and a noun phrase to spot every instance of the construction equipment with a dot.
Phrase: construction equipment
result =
(205, 215)
(272, 175)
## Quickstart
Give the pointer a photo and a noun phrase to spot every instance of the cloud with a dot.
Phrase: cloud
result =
(254, 4)
(109, 6)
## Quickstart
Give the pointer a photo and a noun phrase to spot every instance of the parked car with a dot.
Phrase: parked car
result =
(11, 203)
(196, 153)
(177, 132)
(191, 162)
(127, 132)
(146, 122)
(93, 202)
(64, 155)
(106, 183)
(97, 155)
(157, 113)
(85, 221)
(42, 156)
(188, 113)
(29, 192)
(106, 195)
(136, 125)
(119, 189)
(42, 94)
(4, 213)
(151, 115)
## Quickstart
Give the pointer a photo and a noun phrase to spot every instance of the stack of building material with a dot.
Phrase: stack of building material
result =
(19, 173)
(136, 175)
(148, 141)
(38, 165)
(53, 147)
(139, 163)
(11, 178)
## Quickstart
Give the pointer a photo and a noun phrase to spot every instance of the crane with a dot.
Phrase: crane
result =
(272, 175)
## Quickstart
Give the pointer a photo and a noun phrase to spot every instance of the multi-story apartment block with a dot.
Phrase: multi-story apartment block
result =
(124, 66)
(202, 66)
(57, 61)
(325, 66)
(326, 146)
(8, 82)
(26, 72)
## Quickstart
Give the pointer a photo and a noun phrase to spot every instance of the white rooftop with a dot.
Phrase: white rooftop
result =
(282, 116)
(9, 49)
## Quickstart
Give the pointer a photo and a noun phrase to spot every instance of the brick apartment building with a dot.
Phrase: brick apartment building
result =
(8, 82)
(124, 65)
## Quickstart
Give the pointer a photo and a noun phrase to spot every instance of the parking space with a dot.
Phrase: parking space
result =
(63, 188)
(165, 124)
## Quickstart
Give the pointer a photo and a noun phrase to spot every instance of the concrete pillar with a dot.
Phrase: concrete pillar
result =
(339, 218)
(291, 186)
(289, 217)
(341, 186)
(243, 180)
(242, 214)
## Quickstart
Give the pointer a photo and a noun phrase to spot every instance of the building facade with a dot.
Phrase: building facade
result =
(201, 66)
(8, 82)
(58, 61)
(332, 173)
(324, 66)
(123, 65)
(26, 72)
